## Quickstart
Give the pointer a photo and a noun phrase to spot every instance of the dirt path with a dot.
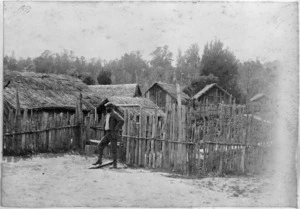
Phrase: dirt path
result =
(65, 180)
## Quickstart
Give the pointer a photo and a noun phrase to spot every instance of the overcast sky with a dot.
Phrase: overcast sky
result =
(267, 31)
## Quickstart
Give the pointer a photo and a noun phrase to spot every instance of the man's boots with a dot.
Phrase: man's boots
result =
(114, 165)
(99, 162)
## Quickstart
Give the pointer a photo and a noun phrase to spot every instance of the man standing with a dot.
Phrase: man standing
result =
(112, 125)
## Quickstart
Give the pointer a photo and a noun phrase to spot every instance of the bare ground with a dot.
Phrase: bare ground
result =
(51, 180)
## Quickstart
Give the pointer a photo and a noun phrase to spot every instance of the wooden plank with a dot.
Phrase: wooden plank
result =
(57, 133)
(71, 132)
(41, 134)
(26, 136)
(132, 140)
(24, 128)
(157, 148)
(136, 141)
(220, 168)
(172, 135)
(50, 143)
(54, 134)
(164, 145)
(179, 128)
(47, 126)
(128, 142)
(153, 154)
(78, 129)
(68, 136)
(38, 136)
(184, 138)
(18, 125)
(32, 139)
(167, 136)
(60, 131)
(88, 128)
(23, 137)
(81, 142)
(144, 134)
(141, 150)
(150, 144)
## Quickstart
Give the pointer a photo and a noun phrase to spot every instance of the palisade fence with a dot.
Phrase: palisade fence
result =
(194, 140)
(36, 131)
(219, 139)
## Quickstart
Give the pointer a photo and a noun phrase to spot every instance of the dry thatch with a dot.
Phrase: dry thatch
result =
(125, 90)
(133, 104)
(171, 90)
(47, 91)
(207, 88)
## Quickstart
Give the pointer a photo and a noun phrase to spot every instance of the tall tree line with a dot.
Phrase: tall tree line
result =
(192, 71)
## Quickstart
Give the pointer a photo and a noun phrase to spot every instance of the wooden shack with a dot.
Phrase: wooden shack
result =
(212, 94)
(44, 112)
(124, 90)
(259, 102)
(164, 94)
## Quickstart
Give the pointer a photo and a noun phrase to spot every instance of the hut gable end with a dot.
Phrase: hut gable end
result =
(213, 93)
(160, 93)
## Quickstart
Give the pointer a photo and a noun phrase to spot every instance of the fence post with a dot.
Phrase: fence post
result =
(128, 133)
(180, 154)
(79, 144)
(81, 124)
(88, 127)
(245, 139)
(17, 124)
(139, 142)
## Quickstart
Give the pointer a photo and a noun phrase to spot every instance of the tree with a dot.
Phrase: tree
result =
(45, 63)
(10, 63)
(222, 64)
(161, 63)
(134, 65)
(114, 67)
(199, 83)
(162, 57)
(188, 65)
(87, 79)
(251, 79)
(104, 78)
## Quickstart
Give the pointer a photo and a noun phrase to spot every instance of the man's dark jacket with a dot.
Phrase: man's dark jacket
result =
(115, 124)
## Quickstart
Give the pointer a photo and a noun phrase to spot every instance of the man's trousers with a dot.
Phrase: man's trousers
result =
(113, 139)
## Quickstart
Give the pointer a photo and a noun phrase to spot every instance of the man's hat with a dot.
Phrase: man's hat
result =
(109, 104)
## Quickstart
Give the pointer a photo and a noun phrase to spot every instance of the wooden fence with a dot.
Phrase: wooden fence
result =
(40, 133)
(222, 139)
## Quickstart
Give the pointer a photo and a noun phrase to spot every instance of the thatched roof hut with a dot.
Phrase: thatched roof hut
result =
(47, 91)
(133, 104)
(159, 91)
(125, 90)
(207, 88)
(213, 94)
